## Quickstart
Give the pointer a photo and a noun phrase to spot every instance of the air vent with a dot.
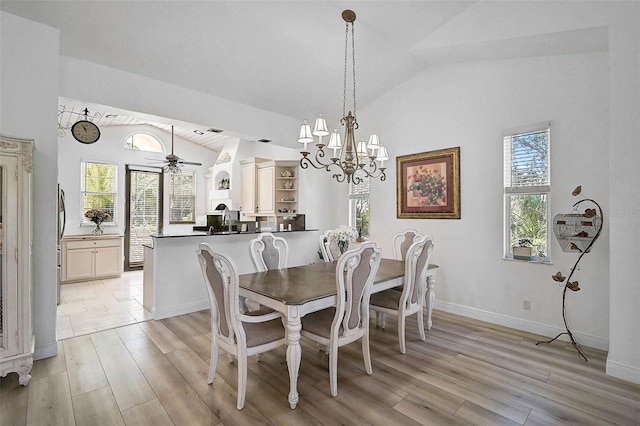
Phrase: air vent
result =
(111, 116)
(264, 140)
(212, 130)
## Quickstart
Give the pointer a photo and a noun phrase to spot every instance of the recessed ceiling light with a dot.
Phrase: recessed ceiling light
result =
(198, 132)
(215, 130)
(111, 116)
(264, 140)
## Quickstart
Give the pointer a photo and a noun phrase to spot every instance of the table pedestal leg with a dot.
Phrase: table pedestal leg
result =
(294, 353)
(431, 296)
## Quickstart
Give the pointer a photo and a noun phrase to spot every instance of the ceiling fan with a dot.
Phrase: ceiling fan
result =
(173, 163)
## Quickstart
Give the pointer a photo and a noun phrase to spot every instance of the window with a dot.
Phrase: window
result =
(359, 207)
(527, 186)
(143, 142)
(98, 188)
(182, 198)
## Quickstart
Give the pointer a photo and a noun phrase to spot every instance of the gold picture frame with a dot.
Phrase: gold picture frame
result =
(428, 185)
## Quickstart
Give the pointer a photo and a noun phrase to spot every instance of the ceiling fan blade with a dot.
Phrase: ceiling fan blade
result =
(190, 163)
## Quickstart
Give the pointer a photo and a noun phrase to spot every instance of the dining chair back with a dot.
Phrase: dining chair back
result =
(402, 242)
(411, 299)
(348, 321)
(333, 251)
(236, 333)
(323, 239)
(269, 252)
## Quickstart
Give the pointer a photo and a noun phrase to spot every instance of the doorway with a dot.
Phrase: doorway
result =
(143, 212)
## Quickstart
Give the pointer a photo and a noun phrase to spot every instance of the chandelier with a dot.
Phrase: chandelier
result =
(351, 162)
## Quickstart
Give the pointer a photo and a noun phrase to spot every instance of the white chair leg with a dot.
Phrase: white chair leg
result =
(383, 316)
(242, 380)
(366, 353)
(421, 325)
(258, 356)
(401, 321)
(214, 361)
(333, 369)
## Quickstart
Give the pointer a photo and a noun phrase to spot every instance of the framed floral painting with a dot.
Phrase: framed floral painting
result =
(429, 185)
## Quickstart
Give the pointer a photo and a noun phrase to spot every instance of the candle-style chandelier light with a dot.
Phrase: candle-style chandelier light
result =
(351, 157)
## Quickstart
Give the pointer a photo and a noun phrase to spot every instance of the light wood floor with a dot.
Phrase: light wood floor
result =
(467, 372)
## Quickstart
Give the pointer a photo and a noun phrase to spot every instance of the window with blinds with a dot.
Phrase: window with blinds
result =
(527, 185)
(359, 206)
(182, 198)
(98, 187)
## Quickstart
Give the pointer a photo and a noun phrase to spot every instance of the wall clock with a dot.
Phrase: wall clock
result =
(85, 131)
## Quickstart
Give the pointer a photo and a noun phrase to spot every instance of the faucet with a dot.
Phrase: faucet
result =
(211, 229)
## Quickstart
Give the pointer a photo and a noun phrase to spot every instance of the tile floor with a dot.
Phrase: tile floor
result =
(91, 306)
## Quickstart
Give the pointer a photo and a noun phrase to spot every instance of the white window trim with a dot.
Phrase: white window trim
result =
(537, 189)
(114, 222)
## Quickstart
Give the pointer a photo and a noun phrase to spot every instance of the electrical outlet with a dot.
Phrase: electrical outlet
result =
(526, 305)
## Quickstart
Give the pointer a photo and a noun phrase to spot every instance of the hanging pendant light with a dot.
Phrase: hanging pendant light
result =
(365, 158)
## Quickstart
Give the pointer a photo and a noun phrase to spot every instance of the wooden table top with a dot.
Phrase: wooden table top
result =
(288, 285)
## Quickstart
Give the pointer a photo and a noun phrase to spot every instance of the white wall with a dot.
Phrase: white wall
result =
(28, 103)
(624, 200)
(469, 105)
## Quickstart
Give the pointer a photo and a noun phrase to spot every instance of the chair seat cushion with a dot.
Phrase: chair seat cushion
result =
(389, 299)
(261, 333)
(320, 322)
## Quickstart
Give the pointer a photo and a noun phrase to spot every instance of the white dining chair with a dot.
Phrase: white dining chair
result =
(348, 321)
(402, 242)
(332, 249)
(322, 240)
(269, 252)
(410, 300)
(240, 335)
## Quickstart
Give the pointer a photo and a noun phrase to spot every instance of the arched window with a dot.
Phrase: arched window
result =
(143, 142)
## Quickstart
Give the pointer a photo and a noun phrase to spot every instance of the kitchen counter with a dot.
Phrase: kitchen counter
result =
(204, 233)
(172, 278)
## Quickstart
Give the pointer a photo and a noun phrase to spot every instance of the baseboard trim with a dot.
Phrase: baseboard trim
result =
(622, 371)
(186, 308)
(521, 324)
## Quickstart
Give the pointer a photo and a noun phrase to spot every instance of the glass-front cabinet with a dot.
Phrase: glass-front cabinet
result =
(16, 324)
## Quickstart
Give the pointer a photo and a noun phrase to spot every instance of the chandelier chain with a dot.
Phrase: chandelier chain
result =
(346, 56)
(353, 52)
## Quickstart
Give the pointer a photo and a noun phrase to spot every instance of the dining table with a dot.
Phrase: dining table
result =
(300, 290)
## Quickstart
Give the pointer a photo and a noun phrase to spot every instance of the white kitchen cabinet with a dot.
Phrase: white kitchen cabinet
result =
(16, 316)
(86, 258)
(248, 194)
(266, 188)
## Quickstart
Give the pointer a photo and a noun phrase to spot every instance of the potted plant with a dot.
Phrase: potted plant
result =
(524, 249)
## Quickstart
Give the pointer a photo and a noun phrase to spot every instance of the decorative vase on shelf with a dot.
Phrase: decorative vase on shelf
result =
(98, 229)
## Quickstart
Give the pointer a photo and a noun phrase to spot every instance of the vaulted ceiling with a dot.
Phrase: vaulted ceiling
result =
(287, 57)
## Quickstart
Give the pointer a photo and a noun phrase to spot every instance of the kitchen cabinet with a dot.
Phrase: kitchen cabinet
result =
(266, 174)
(86, 258)
(16, 312)
(248, 194)
(270, 188)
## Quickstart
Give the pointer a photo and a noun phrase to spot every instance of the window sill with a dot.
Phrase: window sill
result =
(534, 260)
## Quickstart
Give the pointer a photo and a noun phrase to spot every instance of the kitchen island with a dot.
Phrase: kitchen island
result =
(172, 278)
